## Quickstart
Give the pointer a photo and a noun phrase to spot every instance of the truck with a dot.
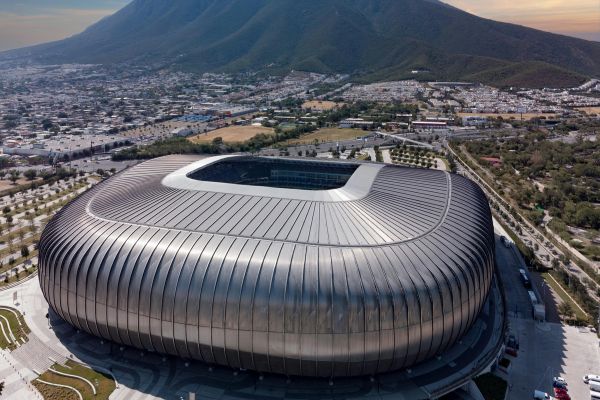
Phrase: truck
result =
(594, 394)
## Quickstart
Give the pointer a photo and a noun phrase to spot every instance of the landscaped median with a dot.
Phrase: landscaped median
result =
(13, 329)
(72, 380)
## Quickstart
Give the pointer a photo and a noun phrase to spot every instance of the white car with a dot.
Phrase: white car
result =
(539, 395)
(588, 378)
(561, 380)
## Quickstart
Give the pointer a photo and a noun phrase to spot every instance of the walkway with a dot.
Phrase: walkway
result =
(387, 157)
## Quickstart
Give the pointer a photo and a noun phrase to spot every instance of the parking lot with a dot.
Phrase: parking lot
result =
(547, 349)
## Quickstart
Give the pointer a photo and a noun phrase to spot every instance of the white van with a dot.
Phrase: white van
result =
(539, 395)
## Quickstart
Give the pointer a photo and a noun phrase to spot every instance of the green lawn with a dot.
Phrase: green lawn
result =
(20, 331)
(104, 384)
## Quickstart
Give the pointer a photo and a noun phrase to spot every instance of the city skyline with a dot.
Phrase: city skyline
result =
(30, 22)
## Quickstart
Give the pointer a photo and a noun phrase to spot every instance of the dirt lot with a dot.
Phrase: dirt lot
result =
(589, 110)
(508, 116)
(162, 128)
(6, 184)
(329, 135)
(321, 105)
(232, 134)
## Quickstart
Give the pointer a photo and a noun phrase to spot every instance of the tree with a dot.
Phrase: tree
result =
(24, 251)
(30, 174)
(565, 309)
(14, 176)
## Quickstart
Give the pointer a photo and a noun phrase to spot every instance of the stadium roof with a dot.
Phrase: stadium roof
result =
(293, 266)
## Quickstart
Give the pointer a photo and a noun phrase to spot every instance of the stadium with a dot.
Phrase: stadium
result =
(288, 266)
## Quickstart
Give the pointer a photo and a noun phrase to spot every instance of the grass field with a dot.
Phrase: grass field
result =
(232, 134)
(527, 116)
(321, 105)
(329, 135)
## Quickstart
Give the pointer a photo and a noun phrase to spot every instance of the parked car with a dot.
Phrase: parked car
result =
(559, 385)
(587, 378)
(561, 394)
(513, 342)
(511, 352)
(539, 395)
(559, 382)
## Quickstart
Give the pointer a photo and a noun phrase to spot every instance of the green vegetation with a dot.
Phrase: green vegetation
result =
(321, 129)
(411, 155)
(103, 383)
(21, 233)
(15, 278)
(491, 386)
(183, 146)
(542, 177)
(18, 327)
(325, 135)
(577, 289)
(47, 177)
(375, 41)
(570, 306)
(40, 204)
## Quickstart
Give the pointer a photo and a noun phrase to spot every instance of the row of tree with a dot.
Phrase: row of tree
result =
(178, 145)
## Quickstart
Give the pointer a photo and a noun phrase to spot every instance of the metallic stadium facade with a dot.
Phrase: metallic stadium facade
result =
(290, 266)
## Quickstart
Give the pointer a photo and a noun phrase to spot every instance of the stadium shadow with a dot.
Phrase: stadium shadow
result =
(542, 345)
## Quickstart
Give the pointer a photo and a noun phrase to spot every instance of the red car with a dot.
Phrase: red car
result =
(561, 394)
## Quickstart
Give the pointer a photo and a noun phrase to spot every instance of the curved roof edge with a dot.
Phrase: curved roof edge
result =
(358, 186)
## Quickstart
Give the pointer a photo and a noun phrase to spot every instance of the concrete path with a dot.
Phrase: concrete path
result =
(387, 157)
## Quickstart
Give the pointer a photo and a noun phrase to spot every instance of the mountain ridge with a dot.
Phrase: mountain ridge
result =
(364, 38)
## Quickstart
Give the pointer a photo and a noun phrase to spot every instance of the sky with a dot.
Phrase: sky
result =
(27, 22)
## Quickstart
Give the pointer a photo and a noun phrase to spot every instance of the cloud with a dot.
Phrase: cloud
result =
(577, 17)
(19, 30)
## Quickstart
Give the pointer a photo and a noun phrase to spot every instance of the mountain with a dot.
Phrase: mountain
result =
(373, 39)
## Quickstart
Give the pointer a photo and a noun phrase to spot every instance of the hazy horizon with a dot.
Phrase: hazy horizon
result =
(30, 22)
